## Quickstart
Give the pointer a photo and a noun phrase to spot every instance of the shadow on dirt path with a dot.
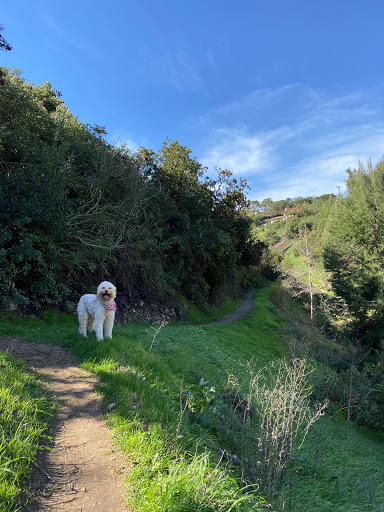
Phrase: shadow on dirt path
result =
(83, 472)
(245, 307)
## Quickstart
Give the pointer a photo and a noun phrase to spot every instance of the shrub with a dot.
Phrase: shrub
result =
(276, 416)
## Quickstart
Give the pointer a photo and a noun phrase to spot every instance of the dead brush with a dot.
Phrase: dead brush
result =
(276, 416)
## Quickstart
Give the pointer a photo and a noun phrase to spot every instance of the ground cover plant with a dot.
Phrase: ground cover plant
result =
(168, 411)
(25, 416)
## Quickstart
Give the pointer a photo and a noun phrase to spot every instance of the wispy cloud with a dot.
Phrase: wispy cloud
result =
(176, 67)
(182, 71)
(242, 152)
(311, 177)
(254, 110)
(64, 36)
(293, 141)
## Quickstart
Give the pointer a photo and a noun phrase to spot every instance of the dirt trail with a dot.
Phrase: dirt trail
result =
(83, 472)
(244, 308)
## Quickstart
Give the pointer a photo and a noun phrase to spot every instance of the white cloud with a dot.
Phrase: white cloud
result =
(321, 173)
(54, 25)
(176, 68)
(314, 177)
(295, 155)
(237, 152)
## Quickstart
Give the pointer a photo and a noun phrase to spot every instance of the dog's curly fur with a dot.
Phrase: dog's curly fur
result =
(97, 312)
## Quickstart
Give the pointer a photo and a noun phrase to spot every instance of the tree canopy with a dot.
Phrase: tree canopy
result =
(354, 249)
(4, 45)
(75, 209)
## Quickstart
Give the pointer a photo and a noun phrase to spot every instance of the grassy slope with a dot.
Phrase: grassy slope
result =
(340, 468)
(25, 414)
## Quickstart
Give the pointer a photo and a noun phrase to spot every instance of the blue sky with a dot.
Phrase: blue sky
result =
(287, 94)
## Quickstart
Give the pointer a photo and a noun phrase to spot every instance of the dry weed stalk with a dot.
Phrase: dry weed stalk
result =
(279, 399)
(182, 409)
(156, 332)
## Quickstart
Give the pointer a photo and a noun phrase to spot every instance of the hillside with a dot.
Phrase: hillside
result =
(177, 412)
(281, 409)
(75, 208)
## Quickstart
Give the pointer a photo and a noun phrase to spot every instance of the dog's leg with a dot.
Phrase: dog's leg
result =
(98, 328)
(90, 323)
(108, 324)
(83, 320)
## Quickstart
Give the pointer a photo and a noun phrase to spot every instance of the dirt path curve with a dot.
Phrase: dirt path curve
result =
(245, 307)
(83, 472)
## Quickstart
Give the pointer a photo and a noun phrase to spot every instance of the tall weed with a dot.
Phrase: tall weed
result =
(276, 416)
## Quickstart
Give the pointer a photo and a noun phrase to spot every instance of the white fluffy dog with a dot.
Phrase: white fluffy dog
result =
(98, 311)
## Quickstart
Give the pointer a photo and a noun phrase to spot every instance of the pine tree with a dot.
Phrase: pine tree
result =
(354, 250)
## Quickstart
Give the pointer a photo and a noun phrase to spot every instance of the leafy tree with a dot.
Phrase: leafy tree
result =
(203, 235)
(254, 206)
(265, 203)
(68, 200)
(74, 208)
(354, 250)
(32, 197)
(314, 217)
(278, 205)
(4, 45)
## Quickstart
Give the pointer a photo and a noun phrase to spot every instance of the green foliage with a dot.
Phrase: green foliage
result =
(313, 215)
(362, 387)
(75, 209)
(354, 251)
(210, 312)
(372, 411)
(67, 199)
(338, 465)
(25, 413)
(193, 484)
(266, 203)
(271, 237)
(203, 236)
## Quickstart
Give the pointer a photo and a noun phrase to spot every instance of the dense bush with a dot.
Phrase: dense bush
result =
(75, 209)
(359, 388)
(354, 251)
(201, 231)
(67, 198)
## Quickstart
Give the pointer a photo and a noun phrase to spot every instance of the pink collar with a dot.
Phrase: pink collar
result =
(110, 306)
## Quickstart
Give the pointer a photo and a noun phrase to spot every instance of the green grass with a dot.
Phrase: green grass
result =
(210, 313)
(341, 468)
(25, 415)
(174, 450)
